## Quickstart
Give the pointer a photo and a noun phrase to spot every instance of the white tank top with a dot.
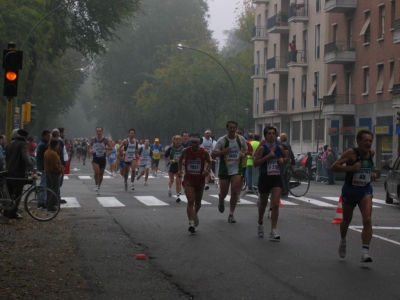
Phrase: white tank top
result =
(130, 151)
(207, 145)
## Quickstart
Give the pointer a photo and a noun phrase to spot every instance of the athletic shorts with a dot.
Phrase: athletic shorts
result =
(121, 164)
(173, 168)
(227, 177)
(196, 182)
(78, 150)
(267, 182)
(101, 161)
(129, 162)
(144, 167)
(352, 195)
(155, 162)
(111, 160)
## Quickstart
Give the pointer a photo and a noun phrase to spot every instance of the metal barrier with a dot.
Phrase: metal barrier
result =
(255, 176)
(320, 176)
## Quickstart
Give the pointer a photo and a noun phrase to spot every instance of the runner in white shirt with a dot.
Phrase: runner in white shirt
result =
(129, 147)
(145, 154)
(207, 144)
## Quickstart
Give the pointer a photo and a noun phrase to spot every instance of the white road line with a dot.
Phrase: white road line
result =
(378, 227)
(376, 236)
(150, 201)
(84, 177)
(336, 199)
(109, 202)
(284, 202)
(313, 201)
(66, 177)
(106, 177)
(228, 198)
(184, 199)
(71, 202)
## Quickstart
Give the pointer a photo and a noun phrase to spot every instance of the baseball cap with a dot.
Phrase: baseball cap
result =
(156, 140)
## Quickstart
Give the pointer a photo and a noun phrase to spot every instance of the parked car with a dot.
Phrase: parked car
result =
(392, 182)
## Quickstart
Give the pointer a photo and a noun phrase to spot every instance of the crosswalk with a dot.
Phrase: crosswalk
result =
(109, 202)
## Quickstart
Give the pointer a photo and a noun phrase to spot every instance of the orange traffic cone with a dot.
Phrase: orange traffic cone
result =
(280, 203)
(339, 213)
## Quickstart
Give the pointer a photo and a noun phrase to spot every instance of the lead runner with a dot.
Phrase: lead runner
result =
(196, 163)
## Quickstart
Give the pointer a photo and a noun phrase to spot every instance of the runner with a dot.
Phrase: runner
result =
(129, 148)
(145, 154)
(185, 140)
(172, 155)
(357, 190)
(269, 156)
(240, 132)
(196, 163)
(84, 147)
(112, 158)
(99, 145)
(157, 149)
(207, 144)
(231, 148)
(78, 149)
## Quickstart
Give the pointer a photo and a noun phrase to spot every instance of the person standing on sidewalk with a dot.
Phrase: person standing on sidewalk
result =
(269, 157)
(196, 162)
(285, 166)
(41, 149)
(357, 190)
(54, 170)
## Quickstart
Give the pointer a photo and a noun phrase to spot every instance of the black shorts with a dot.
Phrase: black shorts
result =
(173, 168)
(83, 152)
(101, 161)
(267, 182)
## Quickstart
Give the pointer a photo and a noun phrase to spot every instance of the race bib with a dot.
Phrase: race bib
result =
(99, 152)
(233, 156)
(176, 157)
(362, 177)
(273, 167)
(194, 167)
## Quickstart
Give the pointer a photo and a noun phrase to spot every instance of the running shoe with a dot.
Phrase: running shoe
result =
(206, 187)
(96, 188)
(63, 201)
(145, 184)
(98, 191)
(192, 229)
(178, 199)
(274, 236)
(231, 219)
(238, 200)
(196, 220)
(221, 206)
(138, 177)
(260, 231)
(269, 213)
(342, 248)
(365, 256)
(132, 188)
(126, 186)
(155, 174)
(169, 193)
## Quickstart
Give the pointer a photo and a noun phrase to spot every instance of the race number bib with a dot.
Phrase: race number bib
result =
(194, 167)
(362, 177)
(233, 156)
(273, 167)
(100, 152)
(176, 156)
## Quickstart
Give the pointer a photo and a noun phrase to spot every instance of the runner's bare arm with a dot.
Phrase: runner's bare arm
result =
(348, 156)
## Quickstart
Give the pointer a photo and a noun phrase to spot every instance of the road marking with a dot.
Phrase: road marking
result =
(109, 202)
(66, 177)
(150, 201)
(71, 202)
(106, 177)
(336, 199)
(284, 202)
(313, 201)
(184, 199)
(358, 228)
(228, 198)
(84, 177)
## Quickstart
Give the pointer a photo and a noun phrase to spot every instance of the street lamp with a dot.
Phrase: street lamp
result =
(247, 118)
(181, 47)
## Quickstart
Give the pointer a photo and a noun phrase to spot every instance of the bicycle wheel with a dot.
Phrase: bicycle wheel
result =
(32, 203)
(299, 183)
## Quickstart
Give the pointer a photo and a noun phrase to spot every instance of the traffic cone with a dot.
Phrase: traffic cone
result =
(280, 202)
(339, 213)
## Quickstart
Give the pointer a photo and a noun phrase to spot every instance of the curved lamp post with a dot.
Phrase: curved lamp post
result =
(181, 47)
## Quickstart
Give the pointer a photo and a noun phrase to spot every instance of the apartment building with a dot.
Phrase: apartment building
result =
(363, 67)
(289, 72)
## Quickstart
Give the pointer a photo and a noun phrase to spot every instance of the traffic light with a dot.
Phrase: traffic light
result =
(398, 118)
(12, 63)
(23, 115)
(33, 112)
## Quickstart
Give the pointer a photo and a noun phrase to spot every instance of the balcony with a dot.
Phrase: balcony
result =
(340, 53)
(277, 65)
(258, 72)
(396, 33)
(259, 33)
(275, 107)
(298, 13)
(396, 96)
(260, 1)
(339, 104)
(340, 6)
(297, 59)
(278, 23)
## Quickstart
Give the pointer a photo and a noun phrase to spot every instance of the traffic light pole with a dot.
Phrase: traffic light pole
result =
(9, 118)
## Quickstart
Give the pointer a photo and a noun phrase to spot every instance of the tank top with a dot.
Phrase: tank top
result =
(175, 153)
(130, 150)
(207, 144)
(98, 150)
(144, 156)
(194, 162)
(113, 154)
(271, 167)
(361, 177)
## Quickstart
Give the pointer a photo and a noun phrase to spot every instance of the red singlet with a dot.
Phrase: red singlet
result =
(194, 167)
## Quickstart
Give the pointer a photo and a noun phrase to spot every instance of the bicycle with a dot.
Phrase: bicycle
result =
(298, 181)
(214, 177)
(31, 200)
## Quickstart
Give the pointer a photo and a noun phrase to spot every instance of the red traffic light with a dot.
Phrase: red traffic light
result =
(11, 75)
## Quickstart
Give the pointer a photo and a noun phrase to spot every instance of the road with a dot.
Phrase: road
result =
(223, 260)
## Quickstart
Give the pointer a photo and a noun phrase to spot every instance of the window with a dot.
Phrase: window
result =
(305, 45)
(303, 91)
(366, 80)
(365, 30)
(264, 92)
(317, 41)
(379, 86)
(318, 6)
(296, 131)
(381, 22)
(334, 28)
(265, 60)
(391, 75)
(316, 86)
(307, 130)
(257, 100)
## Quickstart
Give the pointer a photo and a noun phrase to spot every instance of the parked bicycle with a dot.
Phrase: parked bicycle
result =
(298, 181)
(31, 200)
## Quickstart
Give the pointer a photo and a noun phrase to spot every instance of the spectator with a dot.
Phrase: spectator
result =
(309, 165)
(330, 159)
(32, 146)
(293, 50)
(291, 160)
(324, 169)
(250, 161)
(54, 169)
(41, 149)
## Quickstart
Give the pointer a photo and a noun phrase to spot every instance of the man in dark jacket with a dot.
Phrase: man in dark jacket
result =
(285, 144)
(17, 162)
(41, 149)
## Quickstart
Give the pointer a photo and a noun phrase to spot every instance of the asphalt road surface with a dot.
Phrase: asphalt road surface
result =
(223, 260)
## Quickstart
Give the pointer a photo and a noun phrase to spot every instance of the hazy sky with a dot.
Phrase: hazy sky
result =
(222, 17)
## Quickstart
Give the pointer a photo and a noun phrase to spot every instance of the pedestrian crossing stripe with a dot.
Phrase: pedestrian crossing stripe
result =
(313, 201)
(109, 202)
(228, 198)
(150, 201)
(336, 199)
(84, 177)
(284, 202)
(66, 177)
(184, 199)
(71, 202)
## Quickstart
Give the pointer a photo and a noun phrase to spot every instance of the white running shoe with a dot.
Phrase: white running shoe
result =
(260, 231)
(96, 188)
(126, 186)
(342, 248)
(196, 220)
(206, 187)
(269, 213)
(132, 188)
(274, 236)
(145, 184)
(169, 193)
(365, 256)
